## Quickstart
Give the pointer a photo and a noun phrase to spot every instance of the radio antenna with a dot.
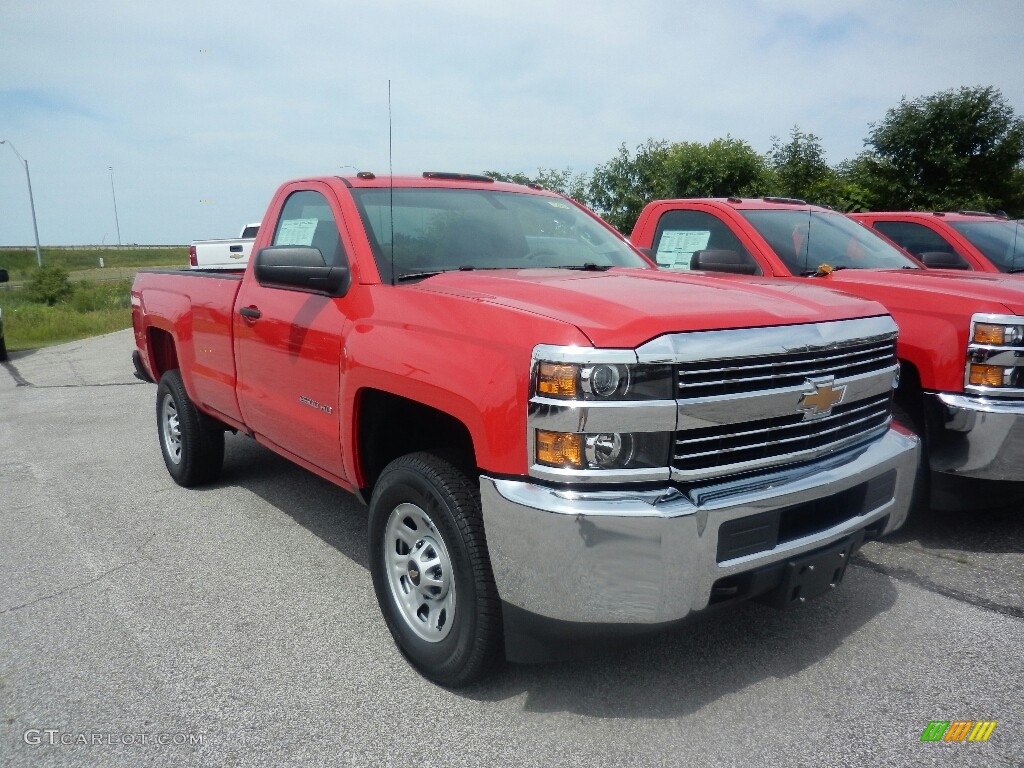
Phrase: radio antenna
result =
(807, 243)
(391, 189)
(1013, 253)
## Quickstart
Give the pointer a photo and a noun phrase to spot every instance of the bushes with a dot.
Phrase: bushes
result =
(96, 297)
(49, 286)
(88, 309)
(55, 307)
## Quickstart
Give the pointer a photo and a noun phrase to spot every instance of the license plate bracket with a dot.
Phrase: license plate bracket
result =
(812, 575)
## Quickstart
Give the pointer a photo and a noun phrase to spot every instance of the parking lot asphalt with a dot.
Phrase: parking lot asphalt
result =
(237, 623)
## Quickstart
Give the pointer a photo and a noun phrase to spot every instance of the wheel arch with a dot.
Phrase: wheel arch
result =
(388, 426)
(163, 352)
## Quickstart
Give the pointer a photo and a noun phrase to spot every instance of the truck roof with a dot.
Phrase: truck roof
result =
(947, 215)
(442, 179)
(752, 203)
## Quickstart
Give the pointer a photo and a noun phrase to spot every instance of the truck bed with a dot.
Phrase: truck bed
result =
(196, 308)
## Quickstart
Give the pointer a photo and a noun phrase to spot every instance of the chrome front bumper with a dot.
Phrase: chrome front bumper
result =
(978, 437)
(648, 557)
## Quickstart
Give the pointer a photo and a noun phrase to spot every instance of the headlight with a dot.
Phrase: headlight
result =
(990, 333)
(557, 380)
(600, 416)
(602, 450)
(603, 381)
(995, 355)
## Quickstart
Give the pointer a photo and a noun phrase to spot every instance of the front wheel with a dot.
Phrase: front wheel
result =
(191, 442)
(431, 570)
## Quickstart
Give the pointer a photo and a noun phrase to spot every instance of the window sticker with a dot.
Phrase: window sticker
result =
(296, 232)
(677, 246)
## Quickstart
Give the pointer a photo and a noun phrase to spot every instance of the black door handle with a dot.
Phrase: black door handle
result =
(250, 312)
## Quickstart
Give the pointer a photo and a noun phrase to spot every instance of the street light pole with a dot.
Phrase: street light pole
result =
(31, 200)
(112, 195)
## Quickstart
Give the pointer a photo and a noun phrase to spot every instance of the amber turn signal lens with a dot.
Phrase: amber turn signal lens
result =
(556, 379)
(984, 333)
(560, 449)
(986, 375)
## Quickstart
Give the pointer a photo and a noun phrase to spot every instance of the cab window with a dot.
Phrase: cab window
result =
(914, 238)
(306, 219)
(680, 234)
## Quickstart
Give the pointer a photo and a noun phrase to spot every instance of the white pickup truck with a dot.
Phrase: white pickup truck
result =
(223, 254)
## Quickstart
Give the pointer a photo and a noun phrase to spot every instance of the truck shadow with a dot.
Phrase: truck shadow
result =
(324, 509)
(994, 531)
(665, 675)
(700, 662)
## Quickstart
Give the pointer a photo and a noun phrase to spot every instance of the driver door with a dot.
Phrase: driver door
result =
(288, 342)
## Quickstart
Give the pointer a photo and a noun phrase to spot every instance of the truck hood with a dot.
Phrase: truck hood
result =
(627, 307)
(920, 289)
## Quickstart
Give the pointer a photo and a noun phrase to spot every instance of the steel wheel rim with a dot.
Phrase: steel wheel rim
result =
(171, 427)
(419, 573)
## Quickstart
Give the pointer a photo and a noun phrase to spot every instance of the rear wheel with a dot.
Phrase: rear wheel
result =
(431, 570)
(191, 442)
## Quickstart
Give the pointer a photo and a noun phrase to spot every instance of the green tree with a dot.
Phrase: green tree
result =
(49, 285)
(961, 148)
(621, 187)
(564, 181)
(720, 168)
(801, 170)
(799, 164)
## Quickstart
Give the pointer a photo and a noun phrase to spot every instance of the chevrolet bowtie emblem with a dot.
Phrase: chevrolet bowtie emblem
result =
(822, 397)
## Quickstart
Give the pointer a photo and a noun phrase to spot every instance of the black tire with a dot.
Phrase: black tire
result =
(428, 499)
(192, 443)
(920, 502)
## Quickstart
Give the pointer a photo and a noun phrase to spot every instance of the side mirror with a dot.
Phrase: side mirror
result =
(4, 277)
(300, 266)
(721, 260)
(943, 260)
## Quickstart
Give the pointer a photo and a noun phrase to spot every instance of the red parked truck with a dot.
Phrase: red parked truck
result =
(967, 240)
(961, 342)
(555, 439)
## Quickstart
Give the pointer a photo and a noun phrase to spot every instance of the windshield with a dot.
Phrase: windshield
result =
(1002, 242)
(440, 230)
(805, 240)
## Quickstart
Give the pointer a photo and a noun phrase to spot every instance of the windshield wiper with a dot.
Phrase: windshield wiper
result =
(405, 276)
(585, 267)
(588, 266)
(1014, 270)
(417, 275)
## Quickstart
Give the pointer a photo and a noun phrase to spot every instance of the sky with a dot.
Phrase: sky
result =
(203, 108)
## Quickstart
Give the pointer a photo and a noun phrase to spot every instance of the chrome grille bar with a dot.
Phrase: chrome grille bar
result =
(817, 436)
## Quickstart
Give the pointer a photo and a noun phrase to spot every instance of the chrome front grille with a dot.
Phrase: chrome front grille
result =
(770, 441)
(722, 378)
(752, 399)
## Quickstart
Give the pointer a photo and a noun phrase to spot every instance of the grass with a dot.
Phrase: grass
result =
(123, 260)
(101, 302)
(94, 309)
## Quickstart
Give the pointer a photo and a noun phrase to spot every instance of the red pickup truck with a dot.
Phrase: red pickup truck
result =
(981, 242)
(961, 342)
(555, 439)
